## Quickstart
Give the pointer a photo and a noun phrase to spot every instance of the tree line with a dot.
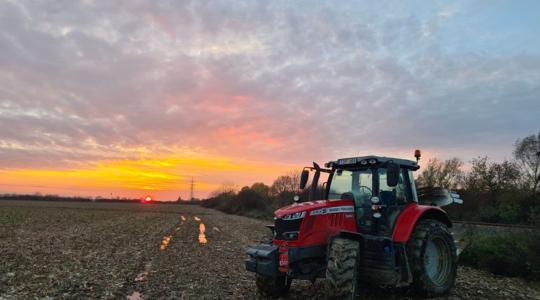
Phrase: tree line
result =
(506, 192)
(258, 200)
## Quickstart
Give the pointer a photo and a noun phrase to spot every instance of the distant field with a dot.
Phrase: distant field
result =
(98, 250)
(115, 250)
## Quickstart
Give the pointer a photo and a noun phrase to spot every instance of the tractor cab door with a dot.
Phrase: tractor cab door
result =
(393, 199)
(363, 190)
(355, 185)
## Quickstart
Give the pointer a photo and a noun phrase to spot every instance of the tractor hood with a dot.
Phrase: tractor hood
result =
(309, 206)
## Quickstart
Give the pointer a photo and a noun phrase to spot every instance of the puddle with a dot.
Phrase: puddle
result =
(202, 236)
(142, 276)
(165, 242)
(197, 218)
(183, 218)
(135, 296)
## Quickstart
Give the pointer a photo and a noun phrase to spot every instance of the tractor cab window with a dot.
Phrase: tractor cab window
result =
(355, 185)
(396, 195)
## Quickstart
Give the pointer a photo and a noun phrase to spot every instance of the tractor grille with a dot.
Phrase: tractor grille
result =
(287, 226)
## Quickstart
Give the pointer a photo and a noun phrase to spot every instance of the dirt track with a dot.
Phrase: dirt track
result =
(116, 251)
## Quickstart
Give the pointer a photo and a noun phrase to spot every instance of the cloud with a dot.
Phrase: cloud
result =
(87, 82)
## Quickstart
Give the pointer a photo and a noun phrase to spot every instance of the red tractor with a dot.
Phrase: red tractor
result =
(371, 226)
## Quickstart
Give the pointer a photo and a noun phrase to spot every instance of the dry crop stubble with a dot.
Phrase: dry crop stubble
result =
(113, 250)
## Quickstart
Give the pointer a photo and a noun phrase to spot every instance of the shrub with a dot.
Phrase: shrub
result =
(247, 202)
(489, 214)
(250, 200)
(510, 212)
(534, 217)
(220, 201)
(504, 254)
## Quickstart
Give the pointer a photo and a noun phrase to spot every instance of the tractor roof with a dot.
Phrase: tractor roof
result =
(371, 160)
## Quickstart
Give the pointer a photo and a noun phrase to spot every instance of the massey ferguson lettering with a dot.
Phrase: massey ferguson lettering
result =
(332, 210)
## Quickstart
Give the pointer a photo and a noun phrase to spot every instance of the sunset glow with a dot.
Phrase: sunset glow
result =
(167, 177)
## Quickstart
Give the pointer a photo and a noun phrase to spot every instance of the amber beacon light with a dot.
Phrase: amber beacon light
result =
(417, 154)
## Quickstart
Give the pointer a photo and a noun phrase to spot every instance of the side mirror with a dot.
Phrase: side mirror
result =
(303, 179)
(392, 174)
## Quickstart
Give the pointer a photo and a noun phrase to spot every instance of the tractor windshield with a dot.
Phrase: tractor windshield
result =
(352, 184)
(362, 184)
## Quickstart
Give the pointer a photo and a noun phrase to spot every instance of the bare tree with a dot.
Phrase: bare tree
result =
(428, 176)
(446, 174)
(492, 177)
(286, 183)
(527, 154)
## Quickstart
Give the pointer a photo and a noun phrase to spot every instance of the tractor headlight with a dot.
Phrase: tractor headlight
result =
(295, 216)
(291, 236)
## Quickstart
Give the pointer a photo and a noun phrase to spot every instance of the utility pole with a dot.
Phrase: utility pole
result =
(192, 184)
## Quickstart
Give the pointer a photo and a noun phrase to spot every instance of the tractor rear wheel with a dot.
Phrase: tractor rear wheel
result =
(341, 272)
(272, 286)
(433, 259)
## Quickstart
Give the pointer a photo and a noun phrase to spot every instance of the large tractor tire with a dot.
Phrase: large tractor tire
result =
(272, 287)
(341, 272)
(433, 258)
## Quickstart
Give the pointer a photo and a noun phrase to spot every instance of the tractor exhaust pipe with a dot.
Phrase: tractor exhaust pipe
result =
(315, 183)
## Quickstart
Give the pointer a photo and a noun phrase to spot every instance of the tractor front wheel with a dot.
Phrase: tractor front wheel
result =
(272, 286)
(433, 258)
(341, 272)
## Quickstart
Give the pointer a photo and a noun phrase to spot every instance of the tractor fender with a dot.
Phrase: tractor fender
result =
(413, 213)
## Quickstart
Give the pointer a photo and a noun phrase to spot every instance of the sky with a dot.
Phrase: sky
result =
(135, 98)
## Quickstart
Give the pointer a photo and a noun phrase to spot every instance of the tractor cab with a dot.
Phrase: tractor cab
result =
(379, 188)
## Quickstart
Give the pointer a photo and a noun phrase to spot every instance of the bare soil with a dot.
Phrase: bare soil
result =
(133, 251)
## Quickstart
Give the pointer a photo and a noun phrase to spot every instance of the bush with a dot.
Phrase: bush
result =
(534, 217)
(489, 214)
(248, 202)
(504, 254)
(220, 201)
